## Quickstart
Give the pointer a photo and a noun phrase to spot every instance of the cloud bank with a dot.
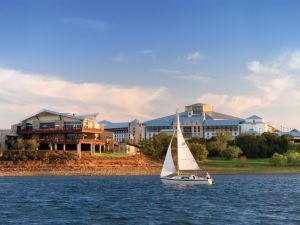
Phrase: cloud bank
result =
(23, 93)
(273, 86)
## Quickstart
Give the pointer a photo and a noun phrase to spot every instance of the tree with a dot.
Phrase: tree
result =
(19, 144)
(218, 144)
(196, 139)
(278, 160)
(32, 144)
(199, 151)
(232, 152)
(156, 147)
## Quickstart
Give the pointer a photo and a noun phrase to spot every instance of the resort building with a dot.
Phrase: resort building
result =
(65, 131)
(124, 132)
(296, 135)
(255, 125)
(198, 120)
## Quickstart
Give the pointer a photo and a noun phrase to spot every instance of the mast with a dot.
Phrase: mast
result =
(177, 134)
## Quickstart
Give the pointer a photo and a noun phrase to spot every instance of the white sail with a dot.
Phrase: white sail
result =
(168, 167)
(186, 161)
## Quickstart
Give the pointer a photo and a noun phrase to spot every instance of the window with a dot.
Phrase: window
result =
(47, 125)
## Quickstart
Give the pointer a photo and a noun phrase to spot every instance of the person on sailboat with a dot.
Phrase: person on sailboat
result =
(207, 175)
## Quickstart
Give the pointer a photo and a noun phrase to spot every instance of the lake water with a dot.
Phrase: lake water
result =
(235, 199)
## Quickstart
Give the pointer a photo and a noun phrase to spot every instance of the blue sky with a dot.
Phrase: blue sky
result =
(241, 56)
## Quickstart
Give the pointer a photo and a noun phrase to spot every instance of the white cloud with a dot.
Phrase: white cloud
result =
(194, 56)
(272, 79)
(22, 94)
(294, 61)
(237, 104)
(85, 23)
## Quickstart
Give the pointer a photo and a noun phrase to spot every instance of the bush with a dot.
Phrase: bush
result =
(156, 147)
(57, 156)
(51, 156)
(216, 148)
(19, 144)
(32, 144)
(199, 151)
(278, 160)
(293, 157)
(232, 152)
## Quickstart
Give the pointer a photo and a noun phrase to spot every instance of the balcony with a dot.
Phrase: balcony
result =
(59, 130)
(70, 141)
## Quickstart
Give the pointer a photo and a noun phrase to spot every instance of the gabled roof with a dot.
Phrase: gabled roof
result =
(111, 125)
(254, 117)
(79, 117)
(164, 121)
(220, 116)
(183, 117)
(295, 133)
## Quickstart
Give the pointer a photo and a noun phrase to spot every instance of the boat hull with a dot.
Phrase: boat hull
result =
(186, 180)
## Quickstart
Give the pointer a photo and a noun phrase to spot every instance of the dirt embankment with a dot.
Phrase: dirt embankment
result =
(87, 165)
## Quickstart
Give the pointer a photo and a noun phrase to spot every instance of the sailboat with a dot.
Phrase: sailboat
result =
(186, 163)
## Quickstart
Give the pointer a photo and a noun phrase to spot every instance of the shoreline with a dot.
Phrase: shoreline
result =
(123, 172)
(138, 165)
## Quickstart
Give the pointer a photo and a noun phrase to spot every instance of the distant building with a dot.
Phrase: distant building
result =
(198, 120)
(65, 131)
(125, 131)
(255, 125)
(296, 135)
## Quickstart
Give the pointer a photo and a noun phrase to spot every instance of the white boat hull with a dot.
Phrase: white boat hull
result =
(187, 180)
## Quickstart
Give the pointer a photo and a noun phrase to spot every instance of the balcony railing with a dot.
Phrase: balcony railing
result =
(60, 130)
(70, 141)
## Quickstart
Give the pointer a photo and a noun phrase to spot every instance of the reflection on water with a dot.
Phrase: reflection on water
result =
(235, 199)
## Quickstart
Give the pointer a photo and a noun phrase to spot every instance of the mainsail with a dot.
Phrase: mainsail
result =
(168, 167)
(186, 161)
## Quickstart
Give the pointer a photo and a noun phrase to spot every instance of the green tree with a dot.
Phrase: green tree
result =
(32, 144)
(218, 144)
(199, 151)
(157, 146)
(293, 157)
(278, 160)
(232, 152)
(196, 139)
(19, 144)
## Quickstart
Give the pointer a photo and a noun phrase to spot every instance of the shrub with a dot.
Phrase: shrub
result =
(232, 152)
(278, 160)
(216, 148)
(57, 156)
(19, 144)
(199, 151)
(51, 156)
(32, 144)
(293, 157)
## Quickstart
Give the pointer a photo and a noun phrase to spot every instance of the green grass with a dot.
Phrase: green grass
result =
(218, 165)
(113, 154)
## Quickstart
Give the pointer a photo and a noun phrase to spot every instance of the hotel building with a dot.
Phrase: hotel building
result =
(124, 132)
(65, 131)
(198, 120)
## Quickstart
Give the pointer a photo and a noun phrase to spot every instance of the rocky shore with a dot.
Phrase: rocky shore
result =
(87, 166)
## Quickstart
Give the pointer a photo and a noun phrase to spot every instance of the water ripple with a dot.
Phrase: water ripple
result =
(235, 199)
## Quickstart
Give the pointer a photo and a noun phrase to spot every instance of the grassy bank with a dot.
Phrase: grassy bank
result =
(220, 166)
(108, 164)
